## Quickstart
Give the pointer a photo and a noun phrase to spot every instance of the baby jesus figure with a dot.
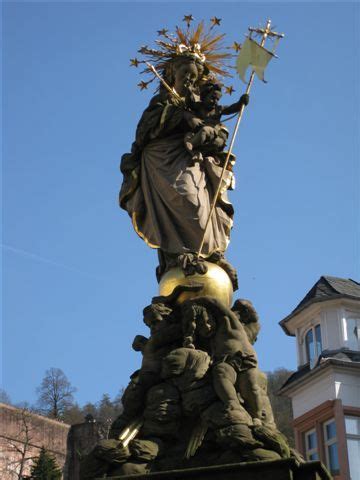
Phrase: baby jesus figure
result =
(209, 134)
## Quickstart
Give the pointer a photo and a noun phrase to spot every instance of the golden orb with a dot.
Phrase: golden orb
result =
(216, 283)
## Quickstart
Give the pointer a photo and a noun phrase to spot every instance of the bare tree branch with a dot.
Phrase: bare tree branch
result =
(55, 393)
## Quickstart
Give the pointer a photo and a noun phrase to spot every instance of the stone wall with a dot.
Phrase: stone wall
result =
(82, 438)
(22, 435)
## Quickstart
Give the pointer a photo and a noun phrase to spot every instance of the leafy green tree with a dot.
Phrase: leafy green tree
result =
(106, 413)
(45, 467)
(105, 409)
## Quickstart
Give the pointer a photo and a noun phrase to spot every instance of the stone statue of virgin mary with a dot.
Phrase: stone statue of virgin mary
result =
(170, 180)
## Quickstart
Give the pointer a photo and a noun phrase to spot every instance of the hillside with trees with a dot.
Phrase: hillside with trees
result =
(281, 405)
(56, 400)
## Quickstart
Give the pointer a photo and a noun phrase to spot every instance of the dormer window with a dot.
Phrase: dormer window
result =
(352, 333)
(313, 344)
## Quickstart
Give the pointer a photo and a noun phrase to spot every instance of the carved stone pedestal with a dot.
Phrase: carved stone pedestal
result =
(288, 469)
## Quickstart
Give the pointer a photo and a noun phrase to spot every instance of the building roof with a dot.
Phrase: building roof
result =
(326, 288)
(341, 357)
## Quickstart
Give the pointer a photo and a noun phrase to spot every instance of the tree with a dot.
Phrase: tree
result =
(106, 413)
(45, 467)
(4, 397)
(73, 415)
(117, 402)
(90, 409)
(105, 409)
(55, 394)
(17, 450)
(281, 405)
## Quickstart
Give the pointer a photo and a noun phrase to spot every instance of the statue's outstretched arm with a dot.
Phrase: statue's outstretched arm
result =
(235, 107)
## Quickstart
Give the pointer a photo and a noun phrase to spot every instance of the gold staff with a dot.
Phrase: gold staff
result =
(265, 33)
(166, 85)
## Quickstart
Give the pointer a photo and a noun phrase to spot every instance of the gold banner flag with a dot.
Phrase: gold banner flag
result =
(253, 54)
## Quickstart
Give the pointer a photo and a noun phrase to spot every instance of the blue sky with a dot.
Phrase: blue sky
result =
(75, 275)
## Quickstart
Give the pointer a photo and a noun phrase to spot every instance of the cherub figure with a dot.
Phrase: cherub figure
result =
(248, 316)
(209, 133)
(234, 358)
(164, 335)
(187, 368)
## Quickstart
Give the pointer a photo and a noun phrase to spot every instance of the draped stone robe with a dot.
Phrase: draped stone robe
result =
(166, 194)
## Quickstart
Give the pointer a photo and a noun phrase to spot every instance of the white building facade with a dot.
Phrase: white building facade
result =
(325, 390)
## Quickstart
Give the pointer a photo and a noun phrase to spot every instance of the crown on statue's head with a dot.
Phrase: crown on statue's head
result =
(199, 43)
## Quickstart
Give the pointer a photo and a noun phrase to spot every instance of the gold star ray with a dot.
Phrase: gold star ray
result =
(215, 21)
(134, 62)
(143, 85)
(188, 19)
(236, 46)
(229, 90)
(162, 32)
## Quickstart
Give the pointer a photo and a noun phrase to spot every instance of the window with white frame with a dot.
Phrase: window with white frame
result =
(311, 445)
(331, 447)
(352, 425)
(352, 333)
(313, 344)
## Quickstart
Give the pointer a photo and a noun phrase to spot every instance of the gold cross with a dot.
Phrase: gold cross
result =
(266, 32)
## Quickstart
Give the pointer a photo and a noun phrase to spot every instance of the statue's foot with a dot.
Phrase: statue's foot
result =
(190, 264)
(219, 259)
